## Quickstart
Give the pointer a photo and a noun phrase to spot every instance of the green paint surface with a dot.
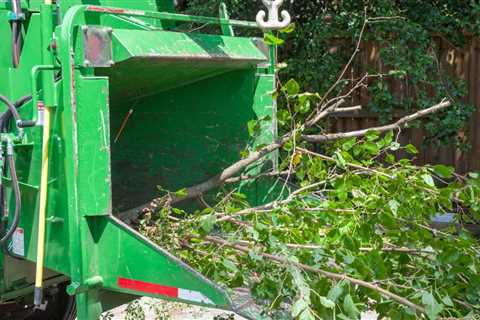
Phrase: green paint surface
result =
(191, 96)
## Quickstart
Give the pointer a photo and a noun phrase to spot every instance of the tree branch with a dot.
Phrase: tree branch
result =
(394, 126)
(232, 170)
(314, 117)
(327, 274)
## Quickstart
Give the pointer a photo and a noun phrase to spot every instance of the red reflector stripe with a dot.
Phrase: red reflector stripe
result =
(153, 288)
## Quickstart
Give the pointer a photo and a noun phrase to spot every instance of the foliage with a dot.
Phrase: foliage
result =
(354, 216)
(325, 36)
(359, 220)
(355, 233)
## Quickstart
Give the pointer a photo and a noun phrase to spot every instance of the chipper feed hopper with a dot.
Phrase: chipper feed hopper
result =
(103, 101)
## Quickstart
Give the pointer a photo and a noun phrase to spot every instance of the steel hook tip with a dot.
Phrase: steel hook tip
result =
(273, 22)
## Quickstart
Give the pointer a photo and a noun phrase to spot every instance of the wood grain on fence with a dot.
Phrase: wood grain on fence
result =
(461, 62)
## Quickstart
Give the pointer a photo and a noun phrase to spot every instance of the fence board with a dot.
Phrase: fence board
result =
(463, 63)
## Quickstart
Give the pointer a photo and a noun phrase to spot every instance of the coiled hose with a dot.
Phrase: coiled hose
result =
(4, 120)
(11, 108)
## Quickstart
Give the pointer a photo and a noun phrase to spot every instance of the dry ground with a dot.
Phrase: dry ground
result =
(160, 310)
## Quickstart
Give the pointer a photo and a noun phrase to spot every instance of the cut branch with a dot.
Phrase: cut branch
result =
(327, 274)
(348, 109)
(199, 189)
(231, 171)
(394, 126)
(219, 179)
(387, 248)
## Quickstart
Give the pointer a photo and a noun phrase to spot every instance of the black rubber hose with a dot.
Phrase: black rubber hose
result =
(11, 108)
(5, 117)
(18, 201)
(21, 102)
(16, 43)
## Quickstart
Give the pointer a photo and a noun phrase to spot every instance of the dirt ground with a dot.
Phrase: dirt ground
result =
(160, 310)
(155, 309)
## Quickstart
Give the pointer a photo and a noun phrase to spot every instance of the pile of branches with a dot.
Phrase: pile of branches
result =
(355, 235)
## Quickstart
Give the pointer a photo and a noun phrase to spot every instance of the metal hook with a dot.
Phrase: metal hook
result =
(273, 22)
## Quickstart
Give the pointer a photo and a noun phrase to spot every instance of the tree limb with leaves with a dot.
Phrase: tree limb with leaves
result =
(354, 234)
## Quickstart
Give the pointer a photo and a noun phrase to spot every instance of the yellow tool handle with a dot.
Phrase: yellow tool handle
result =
(42, 209)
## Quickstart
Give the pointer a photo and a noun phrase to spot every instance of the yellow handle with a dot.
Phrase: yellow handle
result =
(43, 200)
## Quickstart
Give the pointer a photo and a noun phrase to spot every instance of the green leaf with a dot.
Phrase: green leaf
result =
(254, 256)
(306, 315)
(394, 146)
(339, 159)
(410, 148)
(371, 147)
(229, 265)
(292, 87)
(447, 301)
(298, 307)
(270, 39)
(327, 303)
(349, 307)
(390, 158)
(335, 292)
(207, 222)
(444, 171)
(253, 127)
(288, 29)
(397, 73)
(427, 178)
(393, 204)
(178, 211)
(181, 193)
(349, 143)
(387, 139)
(474, 175)
(372, 135)
(303, 106)
(432, 307)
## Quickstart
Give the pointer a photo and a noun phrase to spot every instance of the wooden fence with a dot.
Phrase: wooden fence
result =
(464, 63)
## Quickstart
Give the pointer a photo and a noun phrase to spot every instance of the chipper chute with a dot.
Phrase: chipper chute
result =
(117, 102)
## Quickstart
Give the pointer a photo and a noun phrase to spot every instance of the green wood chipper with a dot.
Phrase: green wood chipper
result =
(103, 101)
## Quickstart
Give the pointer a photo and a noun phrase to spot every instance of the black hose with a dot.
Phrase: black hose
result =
(17, 40)
(4, 119)
(15, 53)
(18, 201)
(21, 102)
(11, 108)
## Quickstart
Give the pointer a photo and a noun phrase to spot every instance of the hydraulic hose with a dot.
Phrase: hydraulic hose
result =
(18, 198)
(16, 32)
(4, 120)
(12, 111)
(16, 43)
(11, 108)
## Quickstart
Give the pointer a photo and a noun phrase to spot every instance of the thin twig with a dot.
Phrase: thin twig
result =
(352, 165)
(312, 119)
